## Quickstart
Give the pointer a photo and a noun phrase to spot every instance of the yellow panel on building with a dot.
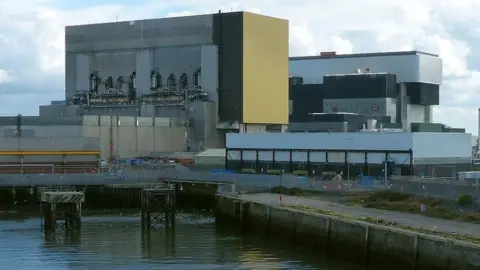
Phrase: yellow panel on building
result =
(265, 70)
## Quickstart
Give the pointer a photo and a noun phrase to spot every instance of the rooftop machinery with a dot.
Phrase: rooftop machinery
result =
(103, 91)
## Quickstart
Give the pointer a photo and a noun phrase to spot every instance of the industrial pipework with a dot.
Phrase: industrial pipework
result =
(174, 93)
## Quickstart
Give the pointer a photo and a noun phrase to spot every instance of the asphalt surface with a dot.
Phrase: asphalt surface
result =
(406, 219)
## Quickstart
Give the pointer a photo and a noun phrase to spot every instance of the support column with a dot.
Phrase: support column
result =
(273, 161)
(327, 167)
(49, 218)
(290, 156)
(68, 202)
(77, 215)
(226, 159)
(257, 161)
(309, 164)
(158, 206)
(365, 165)
(64, 164)
(241, 160)
(21, 164)
(411, 162)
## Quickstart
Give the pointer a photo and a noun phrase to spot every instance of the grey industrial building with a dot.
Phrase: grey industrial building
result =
(201, 69)
(327, 154)
(396, 89)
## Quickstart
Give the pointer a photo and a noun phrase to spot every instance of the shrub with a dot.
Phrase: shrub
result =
(287, 191)
(465, 200)
(388, 196)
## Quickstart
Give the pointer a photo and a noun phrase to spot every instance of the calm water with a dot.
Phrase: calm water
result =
(117, 243)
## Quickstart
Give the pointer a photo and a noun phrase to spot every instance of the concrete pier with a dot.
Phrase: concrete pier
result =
(373, 245)
(158, 206)
(61, 209)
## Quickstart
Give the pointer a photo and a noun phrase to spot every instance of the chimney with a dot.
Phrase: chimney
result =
(478, 132)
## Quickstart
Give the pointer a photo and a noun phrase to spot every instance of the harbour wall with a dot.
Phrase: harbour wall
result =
(375, 246)
(111, 197)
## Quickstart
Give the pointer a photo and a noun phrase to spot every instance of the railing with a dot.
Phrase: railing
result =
(443, 188)
(56, 188)
(46, 169)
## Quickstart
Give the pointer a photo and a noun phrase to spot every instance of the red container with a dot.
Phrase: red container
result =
(333, 53)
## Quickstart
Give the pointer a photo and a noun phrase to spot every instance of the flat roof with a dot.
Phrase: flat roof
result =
(158, 19)
(354, 55)
(362, 73)
(337, 113)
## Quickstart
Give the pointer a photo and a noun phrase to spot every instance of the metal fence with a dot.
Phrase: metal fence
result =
(439, 190)
(440, 187)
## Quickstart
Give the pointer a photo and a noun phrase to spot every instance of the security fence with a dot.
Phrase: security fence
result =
(438, 187)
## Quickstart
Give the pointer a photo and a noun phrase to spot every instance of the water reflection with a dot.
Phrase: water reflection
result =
(62, 238)
(119, 243)
(166, 236)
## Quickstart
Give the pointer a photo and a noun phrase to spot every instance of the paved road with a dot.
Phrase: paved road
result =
(412, 220)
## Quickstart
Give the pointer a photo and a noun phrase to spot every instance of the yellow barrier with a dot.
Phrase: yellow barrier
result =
(49, 153)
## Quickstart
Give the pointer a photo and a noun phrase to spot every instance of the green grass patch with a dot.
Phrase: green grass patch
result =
(387, 223)
(289, 191)
(436, 208)
(294, 191)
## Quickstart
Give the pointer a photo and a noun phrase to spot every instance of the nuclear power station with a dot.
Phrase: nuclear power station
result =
(184, 84)
(224, 72)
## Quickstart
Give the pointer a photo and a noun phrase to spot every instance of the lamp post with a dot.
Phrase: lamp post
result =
(349, 146)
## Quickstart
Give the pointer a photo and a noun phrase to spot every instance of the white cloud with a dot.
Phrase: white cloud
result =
(341, 45)
(5, 76)
(454, 53)
(32, 42)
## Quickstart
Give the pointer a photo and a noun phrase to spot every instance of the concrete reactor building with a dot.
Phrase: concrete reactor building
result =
(224, 72)
(396, 90)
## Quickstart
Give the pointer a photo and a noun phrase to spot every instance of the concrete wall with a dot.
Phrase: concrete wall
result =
(114, 110)
(131, 136)
(378, 247)
(134, 136)
(59, 110)
(204, 115)
(209, 74)
(43, 131)
(417, 113)
(172, 45)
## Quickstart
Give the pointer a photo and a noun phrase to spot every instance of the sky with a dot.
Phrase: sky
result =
(32, 40)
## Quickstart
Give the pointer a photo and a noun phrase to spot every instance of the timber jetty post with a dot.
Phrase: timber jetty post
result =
(158, 206)
(61, 204)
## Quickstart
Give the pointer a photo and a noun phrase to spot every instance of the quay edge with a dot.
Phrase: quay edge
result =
(121, 196)
(375, 246)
